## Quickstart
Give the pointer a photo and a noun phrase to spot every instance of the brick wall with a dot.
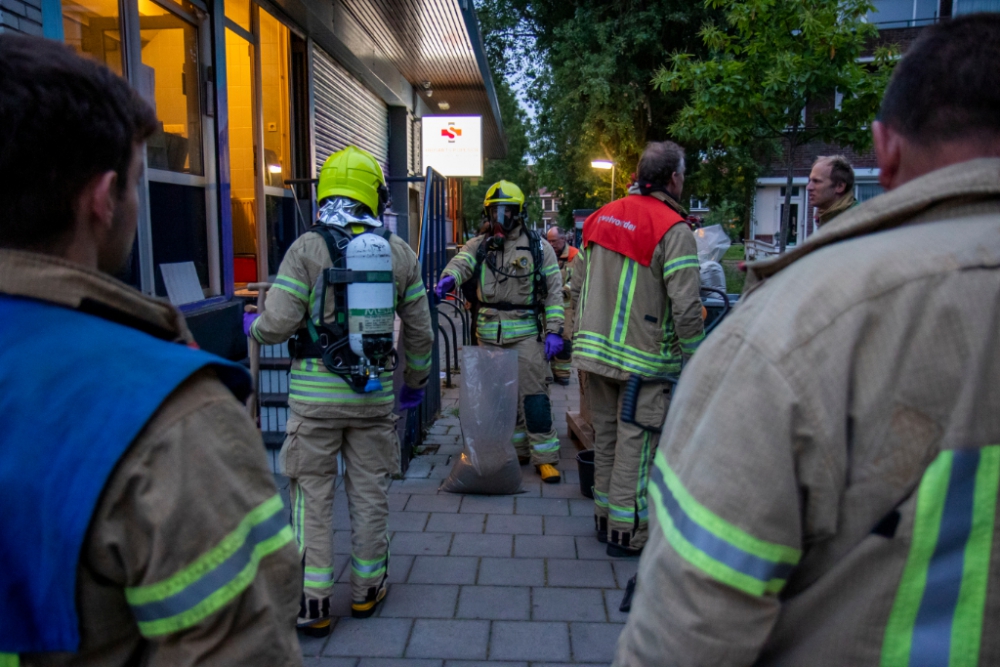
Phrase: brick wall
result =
(21, 16)
(806, 155)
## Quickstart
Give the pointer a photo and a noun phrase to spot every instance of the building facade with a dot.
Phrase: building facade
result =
(252, 96)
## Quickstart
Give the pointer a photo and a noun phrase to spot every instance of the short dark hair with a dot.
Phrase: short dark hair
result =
(841, 170)
(947, 86)
(64, 119)
(659, 162)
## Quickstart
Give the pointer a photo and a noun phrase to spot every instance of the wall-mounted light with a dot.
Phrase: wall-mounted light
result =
(443, 106)
(274, 168)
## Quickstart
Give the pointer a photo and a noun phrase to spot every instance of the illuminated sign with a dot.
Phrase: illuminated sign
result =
(453, 145)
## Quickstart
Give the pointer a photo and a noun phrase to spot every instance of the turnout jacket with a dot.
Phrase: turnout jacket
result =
(295, 296)
(631, 318)
(508, 326)
(825, 491)
(186, 494)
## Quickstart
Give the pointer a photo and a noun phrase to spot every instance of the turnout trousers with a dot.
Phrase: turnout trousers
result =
(623, 454)
(562, 363)
(370, 451)
(534, 436)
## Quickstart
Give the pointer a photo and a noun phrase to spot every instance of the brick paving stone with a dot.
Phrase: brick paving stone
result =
(341, 518)
(568, 604)
(449, 639)
(341, 542)
(418, 469)
(399, 568)
(444, 502)
(579, 573)
(471, 544)
(544, 546)
(399, 662)
(587, 547)
(531, 487)
(415, 486)
(581, 507)
(569, 525)
(625, 569)
(312, 645)
(407, 522)
(372, 637)
(572, 476)
(440, 471)
(543, 506)
(329, 662)
(537, 640)
(506, 603)
(509, 523)
(511, 572)
(444, 570)
(420, 601)
(420, 544)
(456, 523)
(595, 642)
(478, 663)
(397, 501)
(340, 571)
(562, 490)
(612, 601)
(487, 505)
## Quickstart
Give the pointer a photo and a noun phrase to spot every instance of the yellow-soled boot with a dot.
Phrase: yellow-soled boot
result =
(316, 628)
(366, 608)
(549, 473)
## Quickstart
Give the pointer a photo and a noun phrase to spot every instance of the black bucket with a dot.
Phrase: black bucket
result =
(585, 464)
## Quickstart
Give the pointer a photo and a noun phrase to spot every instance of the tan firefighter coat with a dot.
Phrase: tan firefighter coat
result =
(313, 390)
(177, 497)
(825, 491)
(508, 326)
(635, 319)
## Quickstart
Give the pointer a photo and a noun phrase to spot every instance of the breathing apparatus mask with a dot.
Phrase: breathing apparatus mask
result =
(506, 216)
(344, 212)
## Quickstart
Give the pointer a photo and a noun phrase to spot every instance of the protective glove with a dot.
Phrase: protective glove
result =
(445, 285)
(410, 398)
(553, 345)
(248, 320)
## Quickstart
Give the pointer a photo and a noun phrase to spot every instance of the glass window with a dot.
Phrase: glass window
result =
(238, 11)
(93, 28)
(169, 78)
(242, 173)
(274, 77)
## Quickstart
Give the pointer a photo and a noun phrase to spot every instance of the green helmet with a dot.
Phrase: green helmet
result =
(353, 172)
(504, 204)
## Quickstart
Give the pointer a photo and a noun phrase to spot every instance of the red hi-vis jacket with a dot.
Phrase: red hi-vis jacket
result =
(632, 226)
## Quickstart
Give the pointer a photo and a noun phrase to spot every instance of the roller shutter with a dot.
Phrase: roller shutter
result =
(347, 112)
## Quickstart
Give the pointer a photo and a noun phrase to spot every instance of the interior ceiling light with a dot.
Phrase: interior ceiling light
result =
(443, 106)
(274, 168)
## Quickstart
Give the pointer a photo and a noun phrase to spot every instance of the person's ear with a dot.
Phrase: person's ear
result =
(888, 153)
(98, 202)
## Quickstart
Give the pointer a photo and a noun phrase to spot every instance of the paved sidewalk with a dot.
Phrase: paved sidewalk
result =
(483, 580)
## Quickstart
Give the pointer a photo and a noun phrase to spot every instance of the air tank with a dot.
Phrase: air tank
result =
(370, 302)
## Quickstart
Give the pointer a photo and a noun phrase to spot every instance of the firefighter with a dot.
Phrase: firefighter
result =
(562, 362)
(520, 292)
(826, 491)
(639, 313)
(334, 408)
(140, 520)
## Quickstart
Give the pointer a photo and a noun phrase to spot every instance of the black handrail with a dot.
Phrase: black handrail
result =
(461, 317)
(447, 356)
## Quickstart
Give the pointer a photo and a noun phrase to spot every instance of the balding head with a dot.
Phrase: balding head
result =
(556, 238)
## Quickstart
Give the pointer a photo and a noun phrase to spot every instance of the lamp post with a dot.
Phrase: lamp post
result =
(606, 164)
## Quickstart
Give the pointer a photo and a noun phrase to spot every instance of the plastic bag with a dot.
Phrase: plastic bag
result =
(488, 414)
(713, 242)
(712, 275)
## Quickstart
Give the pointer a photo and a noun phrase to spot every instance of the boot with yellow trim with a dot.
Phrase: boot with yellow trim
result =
(314, 617)
(549, 473)
(367, 607)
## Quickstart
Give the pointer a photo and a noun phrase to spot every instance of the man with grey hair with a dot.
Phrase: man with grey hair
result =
(638, 316)
(831, 187)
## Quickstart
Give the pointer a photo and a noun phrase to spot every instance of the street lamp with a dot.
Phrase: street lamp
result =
(606, 164)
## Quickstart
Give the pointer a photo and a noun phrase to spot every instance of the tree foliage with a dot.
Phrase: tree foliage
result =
(771, 73)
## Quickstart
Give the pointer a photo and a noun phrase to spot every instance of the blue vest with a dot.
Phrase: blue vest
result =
(75, 391)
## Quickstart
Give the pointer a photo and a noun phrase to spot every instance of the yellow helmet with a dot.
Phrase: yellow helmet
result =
(504, 204)
(354, 173)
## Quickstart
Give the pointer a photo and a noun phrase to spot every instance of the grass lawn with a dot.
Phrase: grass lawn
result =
(734, 253)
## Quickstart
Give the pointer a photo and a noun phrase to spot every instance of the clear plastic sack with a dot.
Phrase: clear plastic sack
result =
(713, 242)
(488, 414)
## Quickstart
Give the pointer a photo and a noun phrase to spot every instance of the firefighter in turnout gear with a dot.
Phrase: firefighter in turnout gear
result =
(342, 402)
(520, 290)
(638, 313)
(566, 254)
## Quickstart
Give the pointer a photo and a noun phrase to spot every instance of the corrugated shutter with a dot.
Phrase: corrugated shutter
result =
(347, 113)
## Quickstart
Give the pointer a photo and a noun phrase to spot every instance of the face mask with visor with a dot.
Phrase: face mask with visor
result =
(344, 211)
(505, 215)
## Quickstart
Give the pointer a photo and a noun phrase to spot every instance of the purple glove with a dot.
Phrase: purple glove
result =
(553, 345)
(248, 319)
(445, 285)
(410, 398)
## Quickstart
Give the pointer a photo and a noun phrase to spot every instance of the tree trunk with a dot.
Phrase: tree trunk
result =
(786, 213)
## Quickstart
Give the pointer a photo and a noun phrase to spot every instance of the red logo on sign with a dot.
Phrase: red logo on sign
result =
(451, 133)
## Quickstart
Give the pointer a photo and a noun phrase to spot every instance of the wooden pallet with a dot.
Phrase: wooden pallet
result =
(580, 432)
